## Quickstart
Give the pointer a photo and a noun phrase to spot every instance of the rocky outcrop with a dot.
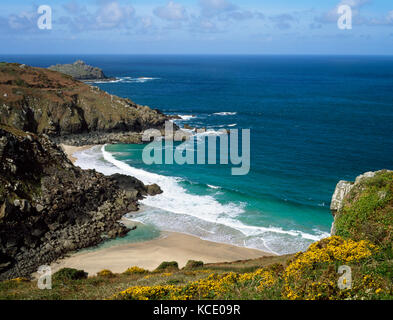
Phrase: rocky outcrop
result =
(44, 101)
(95, 138)
(79, 70)
(342, 191)
(48, 207)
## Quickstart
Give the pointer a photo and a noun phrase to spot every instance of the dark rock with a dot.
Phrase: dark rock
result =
(48, 207)
(188, 127)
(153, 190)
(80, 70)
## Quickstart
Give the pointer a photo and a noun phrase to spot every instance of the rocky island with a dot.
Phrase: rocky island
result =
(79, 70)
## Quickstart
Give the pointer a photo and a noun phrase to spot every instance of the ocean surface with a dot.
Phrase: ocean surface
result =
(314, 120)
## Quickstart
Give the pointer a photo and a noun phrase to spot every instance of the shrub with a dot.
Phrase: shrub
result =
(69, 274)
(192, 264)
(215, 286)
(164, 266)
(105, 273)
(135, 270)
(317, 263)
(19, 280)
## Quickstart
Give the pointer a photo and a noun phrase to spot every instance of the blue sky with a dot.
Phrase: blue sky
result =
(196, 27)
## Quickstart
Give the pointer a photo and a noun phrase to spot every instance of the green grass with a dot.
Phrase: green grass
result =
(368, 212)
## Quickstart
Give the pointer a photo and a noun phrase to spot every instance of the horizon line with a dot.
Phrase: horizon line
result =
(200, 54)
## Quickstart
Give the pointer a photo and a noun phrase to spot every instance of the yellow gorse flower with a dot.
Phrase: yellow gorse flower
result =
(331, 249)
(135, 270)
(213, 286)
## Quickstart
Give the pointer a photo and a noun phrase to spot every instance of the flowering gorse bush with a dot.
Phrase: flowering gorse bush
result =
(214, 286)
(309, 275)
(327, 251)
(135, 270)
(105, 273)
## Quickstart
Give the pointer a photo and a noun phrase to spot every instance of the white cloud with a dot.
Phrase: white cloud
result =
(390, 16)
(171, 12)
(204, 25)
(111, 15)
(216, 7)
(354, 3)
(73, 7)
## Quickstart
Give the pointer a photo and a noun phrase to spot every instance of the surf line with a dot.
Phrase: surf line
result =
(191, 148)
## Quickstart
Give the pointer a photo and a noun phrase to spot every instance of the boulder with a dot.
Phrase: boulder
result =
(153, 190)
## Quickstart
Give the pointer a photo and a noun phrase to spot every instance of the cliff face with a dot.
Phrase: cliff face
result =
(48, 207)
(44, 101)
(364, 209)
(79, 70)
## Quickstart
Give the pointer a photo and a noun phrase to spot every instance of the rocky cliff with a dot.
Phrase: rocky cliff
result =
(79, 70)
(364, 209)
(44, 101)
(48, 207)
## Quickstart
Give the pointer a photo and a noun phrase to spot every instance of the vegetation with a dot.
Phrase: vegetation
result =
(192, 264)
(66, 274)
(168, 266)
(135, 270)
(105, 273)
(368, 211)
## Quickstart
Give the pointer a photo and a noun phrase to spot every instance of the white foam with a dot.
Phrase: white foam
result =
(212, 132)
(176, 200)
(174, 197)
(225, 113)
(128, 80)
(107, 81)
(186, 117)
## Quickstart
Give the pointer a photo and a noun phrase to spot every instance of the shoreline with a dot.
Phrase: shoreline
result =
(71, 150)
(170, 246)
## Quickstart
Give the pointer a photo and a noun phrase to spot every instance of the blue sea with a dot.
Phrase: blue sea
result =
(314, 120)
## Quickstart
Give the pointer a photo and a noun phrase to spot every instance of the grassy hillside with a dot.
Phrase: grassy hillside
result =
(45, 101)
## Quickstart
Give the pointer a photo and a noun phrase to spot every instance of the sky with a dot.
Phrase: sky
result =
(196, 27)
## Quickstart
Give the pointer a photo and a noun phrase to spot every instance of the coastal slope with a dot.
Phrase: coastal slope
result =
(44, 101)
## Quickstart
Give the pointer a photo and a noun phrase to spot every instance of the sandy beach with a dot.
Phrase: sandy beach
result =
(70, 150)
(148, 255)
(170, 246)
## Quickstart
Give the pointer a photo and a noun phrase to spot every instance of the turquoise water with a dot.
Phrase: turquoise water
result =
(144, 232)
(314, 120)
